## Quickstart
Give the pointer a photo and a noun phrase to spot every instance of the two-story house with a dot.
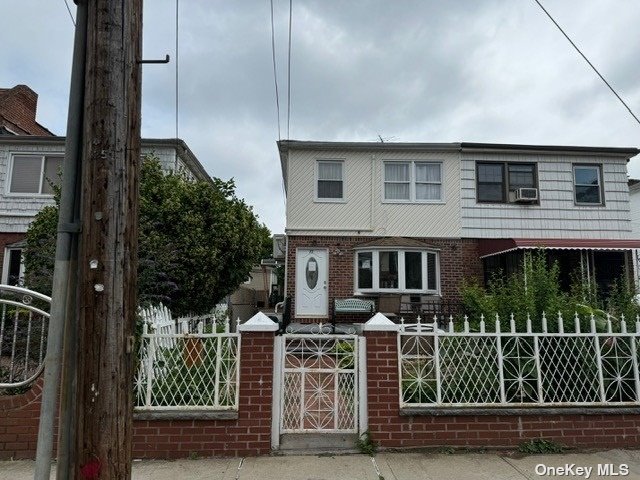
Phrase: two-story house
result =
(27, 166)
(415, 220)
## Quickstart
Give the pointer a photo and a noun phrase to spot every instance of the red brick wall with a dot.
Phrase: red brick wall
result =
(392, 430)
(459, 259)
(249, 435)
(18, 111)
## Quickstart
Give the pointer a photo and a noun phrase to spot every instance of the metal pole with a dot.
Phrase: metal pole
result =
(68, 228)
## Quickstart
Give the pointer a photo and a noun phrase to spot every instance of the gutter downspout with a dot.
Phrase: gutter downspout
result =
(63, 298)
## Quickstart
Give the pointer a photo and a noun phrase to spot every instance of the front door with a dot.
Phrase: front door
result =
(311, 283)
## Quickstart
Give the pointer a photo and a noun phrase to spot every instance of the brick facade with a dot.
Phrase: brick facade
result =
(18, 111)
(249, 434)
(459, 260)
(391, 429)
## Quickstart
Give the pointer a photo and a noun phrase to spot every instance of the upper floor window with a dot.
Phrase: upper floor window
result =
(330, 183)
(412, 182)
(34, 173)
(498, 182)
(397, 270)
(587, 182)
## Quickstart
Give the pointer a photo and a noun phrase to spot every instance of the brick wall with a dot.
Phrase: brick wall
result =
(18, 111)
(392, 430)
(459, 259)
(249, 434)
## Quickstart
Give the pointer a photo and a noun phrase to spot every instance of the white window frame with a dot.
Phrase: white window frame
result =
(598, 168)
(412, 181)
(5, 265)
(375, 271)
(318, 199)
(43, 156)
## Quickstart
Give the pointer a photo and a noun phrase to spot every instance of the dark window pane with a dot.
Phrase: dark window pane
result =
(488, 172)
(329, 189)
(521, 176)
(587, 194)
(432, 274)
(490, 192)
(490, 182)
(388, 269)
(413, 270)
(15, 259)
(586, 175)
(365, 269)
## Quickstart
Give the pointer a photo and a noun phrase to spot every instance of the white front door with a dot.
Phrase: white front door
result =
(311, 283)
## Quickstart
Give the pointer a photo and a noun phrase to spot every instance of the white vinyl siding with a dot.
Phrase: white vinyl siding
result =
(556, 215)
(33, 174)
(330, 182)
(412, 182)
(396, 271)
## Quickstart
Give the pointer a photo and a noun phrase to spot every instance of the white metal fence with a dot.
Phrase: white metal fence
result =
(187, 371)
(576, 366)
(24, 323)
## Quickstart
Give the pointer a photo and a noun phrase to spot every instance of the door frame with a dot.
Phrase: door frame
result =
(326, 268)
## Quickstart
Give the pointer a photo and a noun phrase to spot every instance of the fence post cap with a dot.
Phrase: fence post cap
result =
(380, 323)
(258, 323)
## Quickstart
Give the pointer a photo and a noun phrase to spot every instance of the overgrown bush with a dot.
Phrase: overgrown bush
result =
(536, 290)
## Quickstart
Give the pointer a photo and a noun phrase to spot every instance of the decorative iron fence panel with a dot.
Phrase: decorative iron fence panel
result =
(187, 371)
(24, 324)
(319, 383)
(519, 369)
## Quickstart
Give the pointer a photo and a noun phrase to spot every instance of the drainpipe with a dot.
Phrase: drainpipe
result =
(64, 275)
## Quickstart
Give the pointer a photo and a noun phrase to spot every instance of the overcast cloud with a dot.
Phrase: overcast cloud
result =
(426, 71)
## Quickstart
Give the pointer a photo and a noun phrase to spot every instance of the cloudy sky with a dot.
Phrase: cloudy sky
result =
(423, 70)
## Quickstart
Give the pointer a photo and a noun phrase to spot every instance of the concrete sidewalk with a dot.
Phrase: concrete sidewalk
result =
(387, 466)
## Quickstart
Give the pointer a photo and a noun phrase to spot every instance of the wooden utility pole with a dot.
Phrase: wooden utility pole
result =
(108, 244)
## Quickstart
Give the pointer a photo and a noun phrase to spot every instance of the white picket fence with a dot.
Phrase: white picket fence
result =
(180, 367)
(563, 367)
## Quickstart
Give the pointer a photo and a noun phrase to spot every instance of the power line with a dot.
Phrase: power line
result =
(587, 60)
(289, 72)
(70, 14)
(177, 61)
(275, 72)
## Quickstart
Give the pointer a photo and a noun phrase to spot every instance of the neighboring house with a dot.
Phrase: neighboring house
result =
(634, 203)
(18, 107)
(414, 221)
(26, 165)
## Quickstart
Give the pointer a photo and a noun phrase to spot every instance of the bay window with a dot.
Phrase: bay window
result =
(397, 270)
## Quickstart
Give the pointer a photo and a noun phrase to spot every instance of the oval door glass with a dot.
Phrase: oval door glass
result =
(311, 272)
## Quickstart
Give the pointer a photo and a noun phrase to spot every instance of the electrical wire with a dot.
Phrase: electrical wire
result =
(289, 72)
(275, 72)
(587, 60)
(177, 62)
(70, 14)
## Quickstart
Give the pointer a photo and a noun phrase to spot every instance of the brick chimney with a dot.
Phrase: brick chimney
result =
(18, 107)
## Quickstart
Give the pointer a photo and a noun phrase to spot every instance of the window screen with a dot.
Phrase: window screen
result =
(26, 174)
(52, 166)
(587, 184)
(490, 182)
(330, 180)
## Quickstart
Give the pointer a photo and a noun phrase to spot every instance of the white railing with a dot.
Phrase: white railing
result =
(496, 368)
(187, 371)
(24, 323)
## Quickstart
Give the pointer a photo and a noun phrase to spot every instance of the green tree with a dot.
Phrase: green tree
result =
(197, 241)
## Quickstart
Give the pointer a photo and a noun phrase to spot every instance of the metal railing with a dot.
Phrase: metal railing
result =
(448, 368)
(187, 371)
(24, 323)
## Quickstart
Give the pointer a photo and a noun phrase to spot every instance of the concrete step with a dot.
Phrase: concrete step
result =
(317, 443)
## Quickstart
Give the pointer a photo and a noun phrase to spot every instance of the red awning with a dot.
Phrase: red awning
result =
(495, 246)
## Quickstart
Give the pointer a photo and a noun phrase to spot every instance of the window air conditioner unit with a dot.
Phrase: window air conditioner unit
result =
(524, 195)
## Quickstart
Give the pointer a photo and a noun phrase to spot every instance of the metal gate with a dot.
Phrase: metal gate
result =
(319, 383)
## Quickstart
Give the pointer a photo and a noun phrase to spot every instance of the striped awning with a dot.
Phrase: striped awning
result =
(495, 246)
